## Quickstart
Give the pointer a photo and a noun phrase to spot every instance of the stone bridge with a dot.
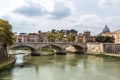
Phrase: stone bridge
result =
(59, 46)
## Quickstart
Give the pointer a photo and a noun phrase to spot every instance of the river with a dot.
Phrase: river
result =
(63, 67)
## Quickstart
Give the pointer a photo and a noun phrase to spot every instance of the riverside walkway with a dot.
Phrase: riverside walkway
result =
(8, 61)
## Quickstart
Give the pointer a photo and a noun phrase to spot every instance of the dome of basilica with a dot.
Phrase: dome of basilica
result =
(106, 29)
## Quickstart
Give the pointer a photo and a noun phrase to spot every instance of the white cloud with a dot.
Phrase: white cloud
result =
(114, 22)
(45, 15)
(95, 23)
(7, 7)
(54, 9)
(90, 19)
(47, 4)
(105, 3)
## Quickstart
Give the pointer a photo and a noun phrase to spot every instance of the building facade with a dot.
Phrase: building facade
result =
(115, 34)
(85, 37)
(32, 37)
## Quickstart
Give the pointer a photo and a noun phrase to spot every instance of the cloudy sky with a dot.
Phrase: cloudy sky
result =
(33, 15)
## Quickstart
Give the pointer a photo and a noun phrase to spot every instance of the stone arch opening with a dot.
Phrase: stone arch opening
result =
(23, 47)
(55, 48)
(75, 49)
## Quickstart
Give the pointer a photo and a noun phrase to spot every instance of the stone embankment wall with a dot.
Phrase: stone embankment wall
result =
(3, 54)
(112, 48)
(6, 61)
(109, 48)
(95, 48)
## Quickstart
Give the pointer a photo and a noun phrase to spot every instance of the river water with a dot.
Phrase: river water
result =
(63, 67)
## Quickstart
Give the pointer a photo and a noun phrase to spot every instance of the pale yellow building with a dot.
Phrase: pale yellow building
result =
(116, 35)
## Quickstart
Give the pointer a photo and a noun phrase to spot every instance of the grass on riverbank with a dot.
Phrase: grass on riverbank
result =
(106, 56)
(7, 67)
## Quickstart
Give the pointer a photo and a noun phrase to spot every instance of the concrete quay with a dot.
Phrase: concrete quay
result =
(8, 63)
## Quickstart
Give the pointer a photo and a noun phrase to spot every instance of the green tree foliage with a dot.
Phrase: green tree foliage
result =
(6, 34)
(2, 34)
(73, 31)
(61, 31)
(71, 37)
(59, 36)
(104, 39)
(51, 37)
(53, 31)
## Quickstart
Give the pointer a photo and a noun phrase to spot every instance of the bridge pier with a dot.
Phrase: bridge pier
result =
(61, 52)
(35, 52)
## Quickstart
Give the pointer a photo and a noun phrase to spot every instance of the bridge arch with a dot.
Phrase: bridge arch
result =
(32, 50)
(56, 48)
(75, 48)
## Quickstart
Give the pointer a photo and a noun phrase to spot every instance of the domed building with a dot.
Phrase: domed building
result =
(115, 34)
(106, 29)
(106, 32)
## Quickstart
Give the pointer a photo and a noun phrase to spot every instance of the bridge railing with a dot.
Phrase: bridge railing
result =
(44, 42)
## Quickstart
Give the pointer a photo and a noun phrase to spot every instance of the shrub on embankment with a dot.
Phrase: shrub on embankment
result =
(7, 67)
(105, 56)
(108, 56)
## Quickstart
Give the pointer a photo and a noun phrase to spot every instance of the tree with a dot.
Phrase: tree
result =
(73, 31)
(2, 34)
(105, 39)
(71, 37)
(6, 34)
(51, 37)
(61, 31)
(39, 31)
(53, 31)
(60, 36)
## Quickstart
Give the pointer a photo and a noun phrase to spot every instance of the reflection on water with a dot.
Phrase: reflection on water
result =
(63, 67)
(21, 59)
